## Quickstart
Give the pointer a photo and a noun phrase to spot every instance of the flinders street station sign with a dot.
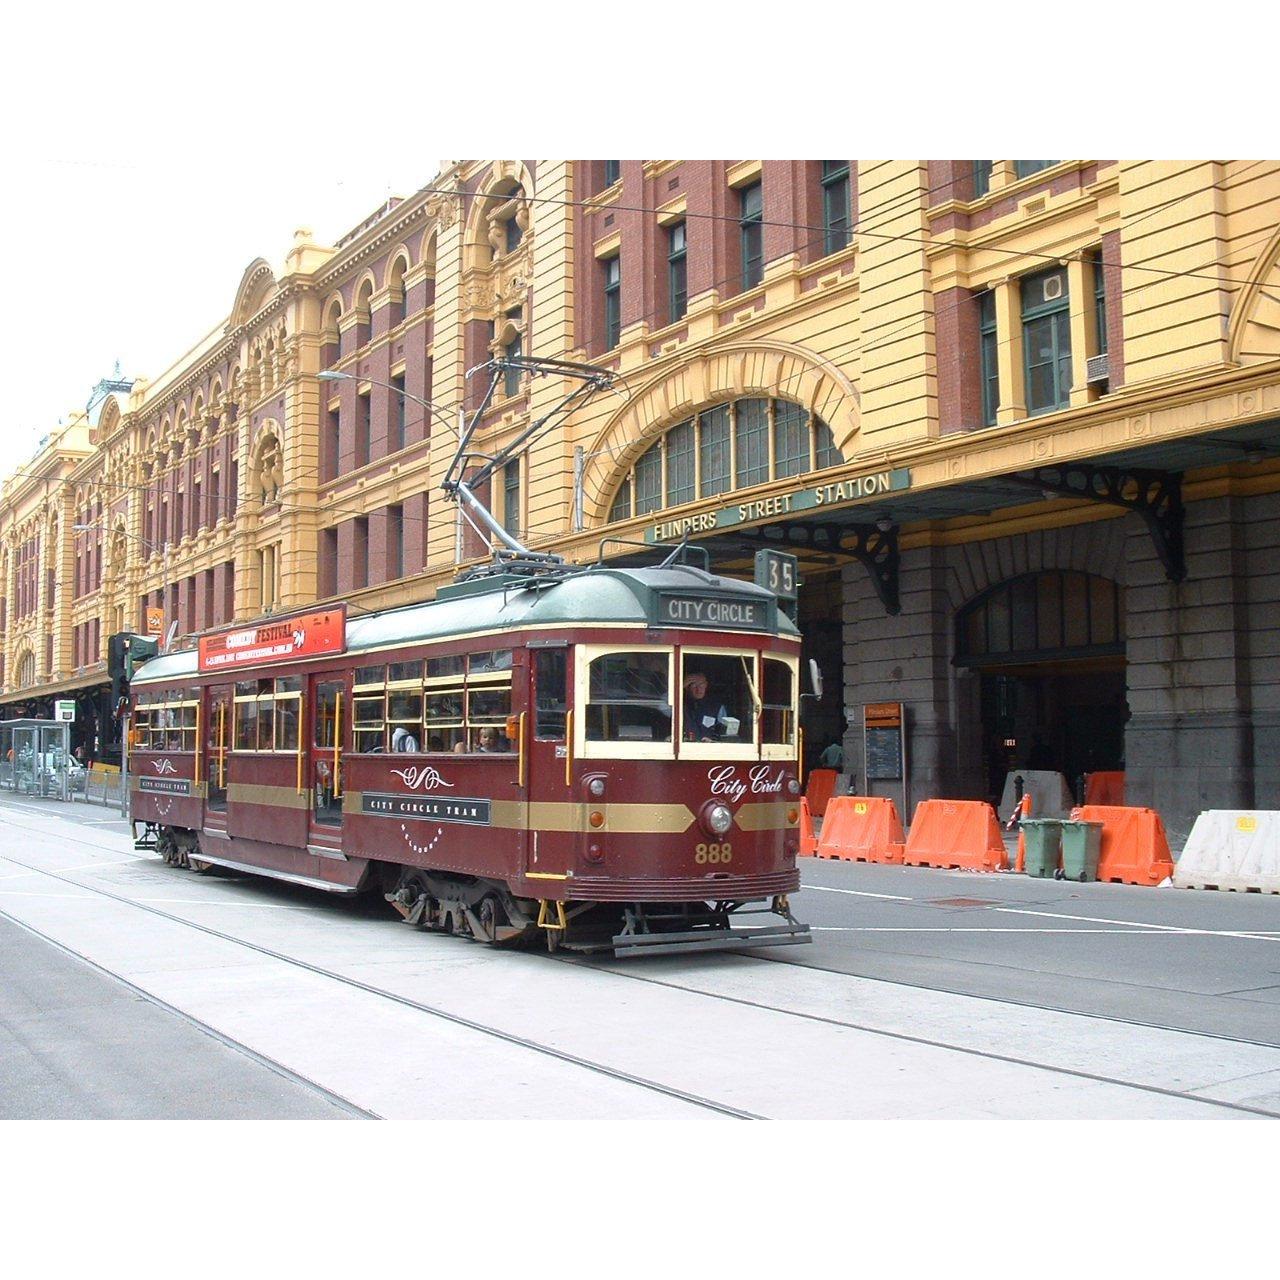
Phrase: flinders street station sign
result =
(779, 506)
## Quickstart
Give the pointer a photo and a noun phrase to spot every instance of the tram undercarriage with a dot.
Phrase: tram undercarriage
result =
(487, 911)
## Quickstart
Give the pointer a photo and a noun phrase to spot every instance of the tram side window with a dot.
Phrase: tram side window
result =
(629, 698)
(369, 727)
(256, 715)
(717, 697)
(550, 675)
(165, 721)
(288, 701)
(488, 700)
(777, 695)
(404, 706)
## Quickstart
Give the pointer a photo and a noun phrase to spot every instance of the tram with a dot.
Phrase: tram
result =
(605, 758)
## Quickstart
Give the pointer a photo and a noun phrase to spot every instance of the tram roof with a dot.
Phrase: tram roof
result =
(598, 594)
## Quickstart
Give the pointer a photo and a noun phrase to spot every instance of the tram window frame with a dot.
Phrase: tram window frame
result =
(551, 693)
(786, 749)
(744, 746)
(618, 748)
(167, 712)
(369, 694)
(271, 704)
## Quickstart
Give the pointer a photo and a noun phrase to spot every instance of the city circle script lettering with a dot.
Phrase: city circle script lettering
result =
(761, 780)
(423, 776)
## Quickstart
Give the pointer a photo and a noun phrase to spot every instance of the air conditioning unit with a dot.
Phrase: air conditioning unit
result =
(1052, 288)
(1097, 368)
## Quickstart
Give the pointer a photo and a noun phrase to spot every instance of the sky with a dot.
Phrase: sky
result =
(153, 151)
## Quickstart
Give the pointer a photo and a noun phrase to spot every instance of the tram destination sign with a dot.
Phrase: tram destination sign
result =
(304, 635)
(390, 804)
(722, 613)
(811, 498)
(166, 786)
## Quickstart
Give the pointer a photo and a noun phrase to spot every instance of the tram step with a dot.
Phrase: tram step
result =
(652, 944)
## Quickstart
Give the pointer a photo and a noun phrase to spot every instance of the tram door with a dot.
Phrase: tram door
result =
(330, 709)
(219, 719)
(551, 669)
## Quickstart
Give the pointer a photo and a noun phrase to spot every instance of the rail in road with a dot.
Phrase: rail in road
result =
(407, 1025)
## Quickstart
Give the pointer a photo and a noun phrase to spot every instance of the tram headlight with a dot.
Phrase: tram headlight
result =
(793, 787)
(717, 819)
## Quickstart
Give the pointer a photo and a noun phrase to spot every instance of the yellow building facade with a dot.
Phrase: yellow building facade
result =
(981, 400)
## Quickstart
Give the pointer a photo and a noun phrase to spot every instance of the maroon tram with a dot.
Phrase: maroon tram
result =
(604, 757)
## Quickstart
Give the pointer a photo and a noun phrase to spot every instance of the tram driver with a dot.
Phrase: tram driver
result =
(705, 717)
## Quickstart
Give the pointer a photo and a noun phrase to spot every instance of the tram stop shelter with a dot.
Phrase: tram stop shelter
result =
(35, 758)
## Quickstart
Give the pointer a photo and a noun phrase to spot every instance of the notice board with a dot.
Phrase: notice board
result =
(882, 741)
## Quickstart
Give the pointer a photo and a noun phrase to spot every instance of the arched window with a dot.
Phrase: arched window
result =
(726, 447)
(395, 284)
(1039, 616)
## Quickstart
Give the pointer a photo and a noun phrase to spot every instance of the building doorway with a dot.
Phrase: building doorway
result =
(818, 615)
(1049, 651)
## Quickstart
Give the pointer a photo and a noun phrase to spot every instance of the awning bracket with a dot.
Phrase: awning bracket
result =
(1156, 496)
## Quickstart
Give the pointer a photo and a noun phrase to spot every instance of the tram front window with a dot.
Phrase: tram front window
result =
(629, 697)
(718, 700)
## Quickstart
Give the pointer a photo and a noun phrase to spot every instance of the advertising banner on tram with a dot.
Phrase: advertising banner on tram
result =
(305, 635)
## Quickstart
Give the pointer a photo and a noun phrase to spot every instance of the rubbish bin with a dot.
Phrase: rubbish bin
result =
(1081, 847)
(1043, 839)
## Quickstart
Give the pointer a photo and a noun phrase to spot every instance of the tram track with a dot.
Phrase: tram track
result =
(494, 1032)
(632, 975)
(951, 1045)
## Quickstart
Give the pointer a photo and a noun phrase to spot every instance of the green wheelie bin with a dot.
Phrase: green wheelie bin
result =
(1043, 840)
(1081, 847)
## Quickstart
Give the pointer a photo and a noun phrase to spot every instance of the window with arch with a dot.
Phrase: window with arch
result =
(395, 284)
(725, 447)
(1056, 613)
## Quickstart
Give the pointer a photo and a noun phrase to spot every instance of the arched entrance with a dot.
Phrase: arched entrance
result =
(1049, 650)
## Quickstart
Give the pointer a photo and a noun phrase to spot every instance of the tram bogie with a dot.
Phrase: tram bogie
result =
(567, 757)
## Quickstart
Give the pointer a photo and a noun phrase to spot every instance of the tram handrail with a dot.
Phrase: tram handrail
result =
(302, 739)
(337, 740)
(676, 548)
(195, 764)
(568, 747)
(520, 761)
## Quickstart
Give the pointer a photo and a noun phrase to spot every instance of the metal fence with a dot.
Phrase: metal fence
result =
(101, 787)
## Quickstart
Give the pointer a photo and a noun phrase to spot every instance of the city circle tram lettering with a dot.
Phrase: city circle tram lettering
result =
(385, 804)
(691, 611)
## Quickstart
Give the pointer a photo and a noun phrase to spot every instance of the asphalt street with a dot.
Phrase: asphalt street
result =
(135, 989)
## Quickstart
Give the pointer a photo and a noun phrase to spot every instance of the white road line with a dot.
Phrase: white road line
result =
(942, 928)
(860, 893)
(1259, 934)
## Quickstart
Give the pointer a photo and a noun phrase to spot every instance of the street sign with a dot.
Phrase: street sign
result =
(64, 709)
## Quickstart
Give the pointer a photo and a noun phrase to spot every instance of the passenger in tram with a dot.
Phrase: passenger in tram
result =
(491, 741)
(403, 740)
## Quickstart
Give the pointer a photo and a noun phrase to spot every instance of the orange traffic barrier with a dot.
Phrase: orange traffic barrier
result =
(808, 841)
(1104, 788)
(821, 785)
(862, 829)
(962, 834)
(1135, 849)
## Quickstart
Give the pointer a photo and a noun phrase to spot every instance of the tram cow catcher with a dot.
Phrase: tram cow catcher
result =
(606, 758)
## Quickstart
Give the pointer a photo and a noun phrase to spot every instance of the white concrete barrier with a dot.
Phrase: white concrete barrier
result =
(1050, 795)
(1232, 849)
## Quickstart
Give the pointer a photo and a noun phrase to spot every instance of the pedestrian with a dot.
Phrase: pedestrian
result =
(832, 757)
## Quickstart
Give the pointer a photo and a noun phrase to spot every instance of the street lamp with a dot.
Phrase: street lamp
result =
(337, 375)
